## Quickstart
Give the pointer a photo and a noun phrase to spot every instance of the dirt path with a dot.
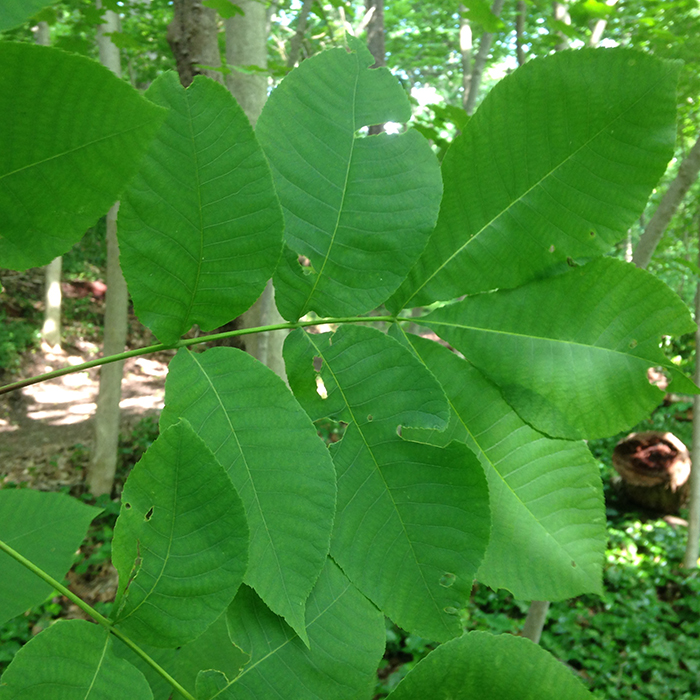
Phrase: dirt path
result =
(40, 425)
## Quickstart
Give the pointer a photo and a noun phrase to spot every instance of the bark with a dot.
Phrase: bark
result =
(480, 62)
(192, 36)
(519, 28)
(534, 622)
(51, 328)
(246, 45)
(465, 49)
(692, 548)
(561, 13)
(687, 174)
(295, 41)
(100, 475)
(599, 27)
(375, 43)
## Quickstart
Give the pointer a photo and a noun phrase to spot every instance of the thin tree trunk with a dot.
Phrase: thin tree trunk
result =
(51, 328)
(519, 30)
(375, 43)
(687, 174)
(465, 48)
(100, 476)
(246, 45)
(480, 61)
(192, 36)
(599, 27)
(534, 622)
(295, 41)
(561, 14)
(690, 559)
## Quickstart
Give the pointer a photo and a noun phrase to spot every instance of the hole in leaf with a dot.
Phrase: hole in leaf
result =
(592, 234)
(573, 563)
(633, 344)
(318, 363)
(127, 506)
(321, 387)
(551, 248)
(451, 611)
(149, 514)
(447, 579)
(370, 418)
(398, 430)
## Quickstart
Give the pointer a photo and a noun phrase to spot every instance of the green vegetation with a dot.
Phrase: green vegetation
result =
(255, 559)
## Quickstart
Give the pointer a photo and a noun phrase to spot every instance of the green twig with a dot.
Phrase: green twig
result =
(100, 619)
(184, 344)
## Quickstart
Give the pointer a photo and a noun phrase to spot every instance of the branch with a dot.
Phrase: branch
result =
(687, 174)
(186, 343)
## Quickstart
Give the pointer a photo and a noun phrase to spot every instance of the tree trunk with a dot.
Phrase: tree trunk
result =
(100, 476)
(51, 328)
(599, 27)
(192, 36)
(690, 559)
(480, 62)
(687, 175)
(375, 44)
(465, 48)
(246, 45)
(561, 14)
(295, 41)
(519, 28)
(534, 622)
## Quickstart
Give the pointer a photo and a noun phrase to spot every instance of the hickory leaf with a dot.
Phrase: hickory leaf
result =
(71, 137)
(570, 353)
(360, 210)
(200, 228)
(270, 450)
(557, 163)
(180, 543)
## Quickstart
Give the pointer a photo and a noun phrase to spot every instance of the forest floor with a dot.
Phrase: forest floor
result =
(41, 424)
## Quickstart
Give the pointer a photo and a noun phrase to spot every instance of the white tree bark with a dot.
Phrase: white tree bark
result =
(100, 476)
(246, 45)
(692, 547)
(534, 622)
(687, 175)
(51, 328)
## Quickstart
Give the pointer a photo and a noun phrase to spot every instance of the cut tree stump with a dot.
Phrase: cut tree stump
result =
(654, 468)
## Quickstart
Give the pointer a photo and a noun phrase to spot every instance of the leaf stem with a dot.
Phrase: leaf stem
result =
(100, 619)
(186, 343)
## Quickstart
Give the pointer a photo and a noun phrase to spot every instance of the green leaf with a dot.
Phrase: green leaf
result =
(340, 621)
(46, 528)
(16, 12)
(225, 8)
(270, 450)
(72, 660)
(359, 209)
(161, 689)
(71, 137)
(200, 228)
(481, 665)
(480, 11)
(557, 163)
(177, 504)
(571, 353)
(546, 497)
(212, 650)
(414, 510)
